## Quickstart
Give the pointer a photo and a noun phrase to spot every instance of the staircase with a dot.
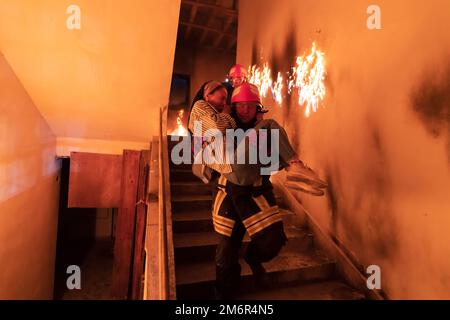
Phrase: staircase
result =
(300, 272)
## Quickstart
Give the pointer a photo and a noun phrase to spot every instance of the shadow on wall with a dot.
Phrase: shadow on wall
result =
(430, 101)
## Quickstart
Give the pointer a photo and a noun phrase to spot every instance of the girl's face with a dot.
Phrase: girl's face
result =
(218, 99)
(246, 111)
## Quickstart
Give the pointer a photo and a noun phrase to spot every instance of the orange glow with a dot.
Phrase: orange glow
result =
(180, 130)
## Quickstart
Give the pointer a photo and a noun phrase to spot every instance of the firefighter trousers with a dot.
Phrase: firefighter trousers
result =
(238, 210)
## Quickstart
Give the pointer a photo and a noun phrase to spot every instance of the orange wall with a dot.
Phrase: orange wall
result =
(29, 193)
(383, 139)
(101, 84)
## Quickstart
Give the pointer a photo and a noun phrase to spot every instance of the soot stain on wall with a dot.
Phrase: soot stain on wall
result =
(255, 48)
(342, 214)
(283, 62)
(430, 100)
(384, 238)
(332, 178)
(336, 205)
(375, 229)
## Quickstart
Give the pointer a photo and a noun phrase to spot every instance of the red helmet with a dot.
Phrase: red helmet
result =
(237, 71)
(246, 92)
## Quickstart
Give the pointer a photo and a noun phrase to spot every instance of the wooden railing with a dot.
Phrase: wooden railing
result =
(160, 266)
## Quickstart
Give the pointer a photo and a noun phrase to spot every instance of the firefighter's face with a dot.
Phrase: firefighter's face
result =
(237, 81)
(246, 111)
(218, 98)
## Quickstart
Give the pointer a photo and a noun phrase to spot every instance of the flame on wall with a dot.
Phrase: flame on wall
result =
(306, 78)
(180, 129)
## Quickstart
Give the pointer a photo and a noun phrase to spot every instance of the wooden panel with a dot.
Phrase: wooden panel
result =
(94, 180)
(126, 218)
(141, 218)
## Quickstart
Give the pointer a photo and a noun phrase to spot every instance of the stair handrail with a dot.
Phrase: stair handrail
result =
(166, 239)
(159, 283)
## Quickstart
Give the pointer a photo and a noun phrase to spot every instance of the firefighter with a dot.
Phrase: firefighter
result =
(236, 76)
(249, 206)
(241, 209)
(212, 112)
(245, 103)
(237, 209)
(243, 200)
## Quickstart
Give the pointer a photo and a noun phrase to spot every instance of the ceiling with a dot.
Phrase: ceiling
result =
(104, 82)
(209, 23)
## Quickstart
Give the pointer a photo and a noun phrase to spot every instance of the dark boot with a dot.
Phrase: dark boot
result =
(227, 282)
(260, 276)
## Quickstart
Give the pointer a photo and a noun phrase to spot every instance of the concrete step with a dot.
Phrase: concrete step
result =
(201, 246)
(182, 166)
(195, 280)
(182, 204)
(324, 290)
(183, 175)
(192, 221)
(191, 198)
(189, 203)
(190, 188)
(201, 220)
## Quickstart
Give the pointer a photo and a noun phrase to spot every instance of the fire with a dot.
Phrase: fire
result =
(180, 130)
(261, 78)
(277, 90)
(307, 78)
